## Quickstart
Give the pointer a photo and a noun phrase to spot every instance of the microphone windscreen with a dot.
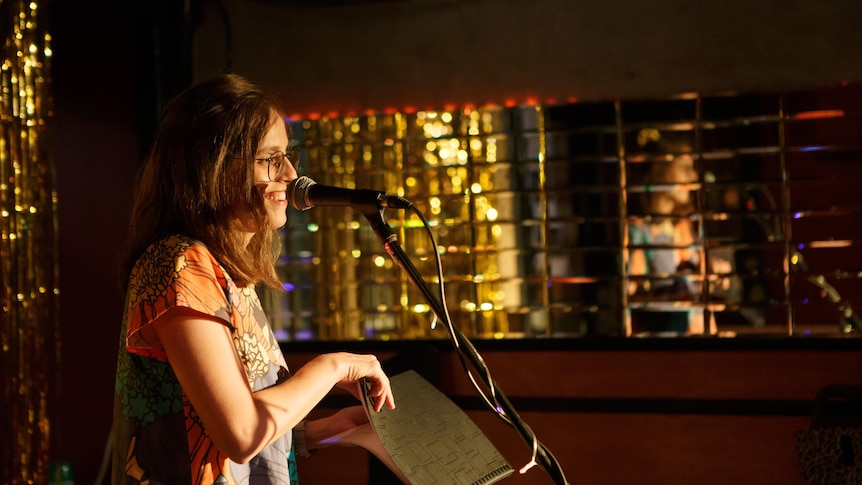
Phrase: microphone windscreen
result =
(297, 193)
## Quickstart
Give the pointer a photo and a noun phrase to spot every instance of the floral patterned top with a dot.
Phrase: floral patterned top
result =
(157, 435)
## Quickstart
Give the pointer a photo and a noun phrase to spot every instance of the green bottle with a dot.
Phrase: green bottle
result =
(60, 473)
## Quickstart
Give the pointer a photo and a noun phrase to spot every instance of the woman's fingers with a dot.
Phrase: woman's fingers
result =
(381, 393)
(362, 366)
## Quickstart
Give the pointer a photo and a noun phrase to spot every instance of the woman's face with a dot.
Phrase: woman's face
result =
(681, 171)
(270, 153)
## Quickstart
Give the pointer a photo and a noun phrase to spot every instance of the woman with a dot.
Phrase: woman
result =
(203, 394)
(667, 251)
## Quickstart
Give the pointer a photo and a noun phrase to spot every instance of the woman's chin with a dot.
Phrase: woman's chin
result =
(278, 220)
(278, 223)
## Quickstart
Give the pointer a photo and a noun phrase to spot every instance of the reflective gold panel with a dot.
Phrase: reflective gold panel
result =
(721, 215)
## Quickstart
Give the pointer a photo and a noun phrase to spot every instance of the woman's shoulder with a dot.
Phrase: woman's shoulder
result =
(171, 252)
(177, 258)
(177, 244)
(639, 230)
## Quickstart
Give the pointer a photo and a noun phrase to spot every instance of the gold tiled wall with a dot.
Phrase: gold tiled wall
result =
(532, 205)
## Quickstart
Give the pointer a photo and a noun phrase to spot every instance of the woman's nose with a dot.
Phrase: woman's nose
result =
(288, 174)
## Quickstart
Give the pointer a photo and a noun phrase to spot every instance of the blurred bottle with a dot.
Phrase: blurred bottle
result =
(60, 473)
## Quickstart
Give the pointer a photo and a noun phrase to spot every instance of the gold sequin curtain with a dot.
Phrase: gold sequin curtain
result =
(28, 245)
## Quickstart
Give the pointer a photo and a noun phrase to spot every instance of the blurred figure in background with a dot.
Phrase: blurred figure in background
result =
(666, 252)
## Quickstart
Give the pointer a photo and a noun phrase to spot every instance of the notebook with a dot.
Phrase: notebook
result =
(427, 439)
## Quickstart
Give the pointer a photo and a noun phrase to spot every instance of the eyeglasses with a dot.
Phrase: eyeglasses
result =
(278, 161)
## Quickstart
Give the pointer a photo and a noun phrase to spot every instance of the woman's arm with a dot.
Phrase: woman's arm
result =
(241, 422)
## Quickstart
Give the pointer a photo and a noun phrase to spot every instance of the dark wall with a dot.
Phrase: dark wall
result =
(705, 412)
(96, 140)
(347, 56)
(110, 72)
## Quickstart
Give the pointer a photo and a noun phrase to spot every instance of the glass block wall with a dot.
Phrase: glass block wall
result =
(554, 220)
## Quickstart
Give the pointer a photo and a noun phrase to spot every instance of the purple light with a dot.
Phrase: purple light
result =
(304, 335)
(288, 286)
(332, 440)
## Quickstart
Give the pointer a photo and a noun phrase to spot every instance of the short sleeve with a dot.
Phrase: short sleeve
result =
(173, 272)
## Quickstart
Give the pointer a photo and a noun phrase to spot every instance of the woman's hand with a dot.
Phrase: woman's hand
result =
(360, 366)
(318, 432)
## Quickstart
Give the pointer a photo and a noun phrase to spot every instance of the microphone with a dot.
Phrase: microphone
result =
(304, 193)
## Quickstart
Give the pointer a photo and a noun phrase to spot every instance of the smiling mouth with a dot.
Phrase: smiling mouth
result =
(276, 196)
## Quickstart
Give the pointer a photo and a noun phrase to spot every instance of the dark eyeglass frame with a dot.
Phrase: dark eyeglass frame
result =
(278, 161)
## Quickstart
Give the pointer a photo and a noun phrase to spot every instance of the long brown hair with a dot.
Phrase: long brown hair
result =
(200, 171)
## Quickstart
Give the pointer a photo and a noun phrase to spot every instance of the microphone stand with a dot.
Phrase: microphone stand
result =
(849, 319)
(390, 241)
